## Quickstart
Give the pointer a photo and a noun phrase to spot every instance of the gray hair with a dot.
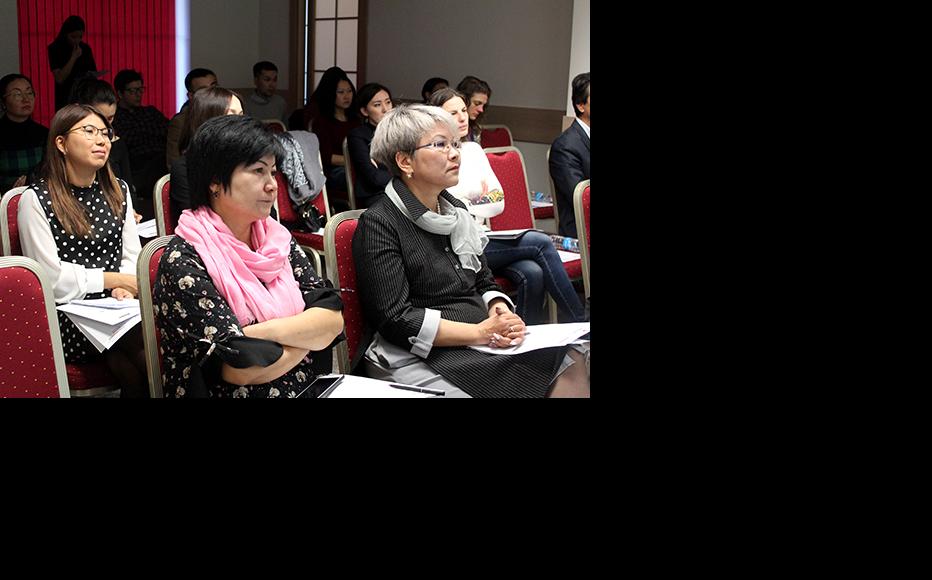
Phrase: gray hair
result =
(402, 128)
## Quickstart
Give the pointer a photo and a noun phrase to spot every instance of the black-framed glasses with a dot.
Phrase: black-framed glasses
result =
(136, 91)
(442, 145)
(91, 132)
(19, 95)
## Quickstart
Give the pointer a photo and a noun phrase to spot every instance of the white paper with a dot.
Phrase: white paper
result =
(542, 336)
(568, 256)
(506, 234)
(103, 335)
(110, 316)
(541, 204)
(147, 229)
(109, 302)
(353, 387)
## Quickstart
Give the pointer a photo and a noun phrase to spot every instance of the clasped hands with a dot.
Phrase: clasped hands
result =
(503, 328)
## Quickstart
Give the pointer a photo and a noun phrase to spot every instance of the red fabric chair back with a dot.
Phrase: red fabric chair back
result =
(274, 125)
(585, 205)
(495, 137)
(13, 226)
(153, 273)
(167, 210)
(508, 166)
(27, 363)
(346, 272)
(286, 212)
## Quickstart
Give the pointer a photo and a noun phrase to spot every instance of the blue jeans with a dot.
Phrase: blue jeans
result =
(532, 264)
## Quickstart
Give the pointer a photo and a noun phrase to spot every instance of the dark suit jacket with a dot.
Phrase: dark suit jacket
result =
(569, 164)
(370, 180)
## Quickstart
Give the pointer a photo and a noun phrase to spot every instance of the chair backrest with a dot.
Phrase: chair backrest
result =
(495, 136)
(553, 194)
(314, 257)
(581, 204)
(350, 176)
(164, 225)
(508, 165)
(275, 125)
(9, 227)
(286, 212)
(341, 270)
(32, 361)
(147, 267)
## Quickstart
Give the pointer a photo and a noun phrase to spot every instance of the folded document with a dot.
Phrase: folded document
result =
(103, 321)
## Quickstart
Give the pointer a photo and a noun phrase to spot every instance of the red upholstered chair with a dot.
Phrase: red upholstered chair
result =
(275, 125)
(84, 380)
(9, 228)
(341, 270)
(164, 224)
(581, 203)
(495, 136)
(147, 268)
(350, 176)
(288, 216)
(32, 363)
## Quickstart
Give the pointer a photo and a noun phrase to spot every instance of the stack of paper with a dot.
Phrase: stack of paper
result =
(104, 320)
(542, 336)
(147, 229)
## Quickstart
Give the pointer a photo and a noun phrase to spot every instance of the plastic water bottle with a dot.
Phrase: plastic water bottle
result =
(565, 244)
(541, 196)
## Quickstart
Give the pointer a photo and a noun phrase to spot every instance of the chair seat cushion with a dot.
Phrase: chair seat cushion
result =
(573, 269)
(89, 376)
(308, 239)
(542, 213)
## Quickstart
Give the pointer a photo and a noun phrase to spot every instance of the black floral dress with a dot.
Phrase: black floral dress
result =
(199, 331)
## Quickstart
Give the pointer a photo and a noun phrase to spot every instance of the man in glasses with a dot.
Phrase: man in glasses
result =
(145, 129)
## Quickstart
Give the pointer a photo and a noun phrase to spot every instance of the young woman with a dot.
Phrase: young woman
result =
(22, 140)
(69, 58)
(424, 283)
(372, 102)
(240, 309)
(477, 94)
(77, 223)
(530, 262)
(336, 118)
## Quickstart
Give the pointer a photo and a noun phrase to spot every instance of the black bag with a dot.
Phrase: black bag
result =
(311, 219)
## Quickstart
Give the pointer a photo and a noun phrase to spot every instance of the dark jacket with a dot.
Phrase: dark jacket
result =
(569, 164)
(370, 181)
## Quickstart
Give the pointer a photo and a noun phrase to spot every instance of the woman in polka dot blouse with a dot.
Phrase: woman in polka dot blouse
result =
(74, 222)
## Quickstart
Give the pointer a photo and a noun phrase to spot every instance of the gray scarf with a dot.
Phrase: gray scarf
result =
(301, 166)
(466, 237)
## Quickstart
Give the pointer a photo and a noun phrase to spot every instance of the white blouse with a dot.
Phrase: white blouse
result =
(71, 281)
(476, 176)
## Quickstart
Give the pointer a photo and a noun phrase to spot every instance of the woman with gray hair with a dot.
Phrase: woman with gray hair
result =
(425, 286)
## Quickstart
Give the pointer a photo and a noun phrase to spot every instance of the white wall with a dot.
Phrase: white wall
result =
(579, 54)
(9, 38)
(229, 36)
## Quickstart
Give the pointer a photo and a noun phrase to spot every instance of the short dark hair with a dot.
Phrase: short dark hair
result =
(366, 93)
(125, 77)
(580, 91)
(261, 66)
(429, 87)
(196, 74)
(221, 145)
(90, 91)
(6, 80)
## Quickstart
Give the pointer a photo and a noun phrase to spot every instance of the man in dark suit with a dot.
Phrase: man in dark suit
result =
(569, 157)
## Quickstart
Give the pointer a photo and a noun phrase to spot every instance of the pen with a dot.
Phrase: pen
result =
(436, 392)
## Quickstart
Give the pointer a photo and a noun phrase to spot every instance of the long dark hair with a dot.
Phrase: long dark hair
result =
(71, 24)
(72, 215)
(206, 104)
(325, 95)
(470, 86)
(366, 93)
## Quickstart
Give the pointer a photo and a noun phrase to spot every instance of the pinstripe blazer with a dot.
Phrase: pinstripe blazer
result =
(402, 270)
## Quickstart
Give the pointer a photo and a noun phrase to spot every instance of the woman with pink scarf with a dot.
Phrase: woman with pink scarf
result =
(240, 310)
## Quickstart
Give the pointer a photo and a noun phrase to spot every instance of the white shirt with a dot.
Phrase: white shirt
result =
(474, 170)
(70, 281)
(584, 126)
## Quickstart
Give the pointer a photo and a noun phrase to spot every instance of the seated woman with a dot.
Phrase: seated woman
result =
(425, 286)
(336, 117)
(22, 140)
(240, 309)
(205, 104)
(77, 223)
(530, 262)
(372, 102)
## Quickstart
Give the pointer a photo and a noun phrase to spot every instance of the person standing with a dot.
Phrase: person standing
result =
(69, 58)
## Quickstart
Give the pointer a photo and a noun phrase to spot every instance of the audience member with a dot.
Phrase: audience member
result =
(530, 262)
(194, 81)
(241, 311)
(143, 128)
(337, 117)
(265, 103)
(100, 95)
(569, 157)
(205, 104)
(85, 258)
(372, 102)
(424, 283)
(477, 94)
(22, 140)
(69, 58)
(433, 85)
(300, 119)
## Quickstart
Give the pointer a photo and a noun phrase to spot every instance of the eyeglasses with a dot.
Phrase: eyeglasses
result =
(19, 95)
(136, 91)
(91, 132)
(441, 145)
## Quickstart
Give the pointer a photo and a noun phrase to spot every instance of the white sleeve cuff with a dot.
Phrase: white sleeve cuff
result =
(95, 279)
(424, 341)
(493, 294)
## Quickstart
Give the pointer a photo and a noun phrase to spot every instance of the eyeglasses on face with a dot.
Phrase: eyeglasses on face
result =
(91, 132)
(136, 91)
(19, 95)
(441, 145)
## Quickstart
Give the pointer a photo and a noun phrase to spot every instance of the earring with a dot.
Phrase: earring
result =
(410, 174)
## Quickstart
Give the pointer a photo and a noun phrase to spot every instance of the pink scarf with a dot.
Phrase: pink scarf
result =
(239, 272)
